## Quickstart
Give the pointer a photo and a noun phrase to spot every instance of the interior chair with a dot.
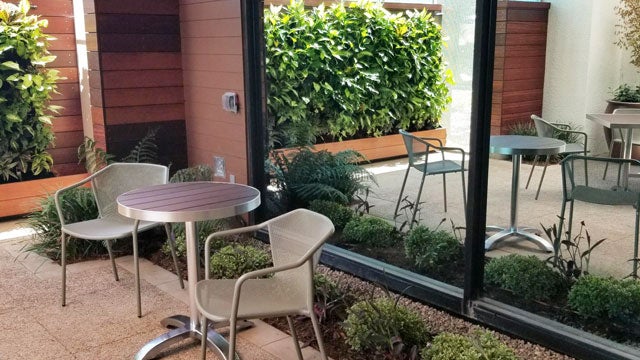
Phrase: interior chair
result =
(582, 181)
(550, 130)
(107, 184)
(296, 238)
(619, 137)
(418, 151)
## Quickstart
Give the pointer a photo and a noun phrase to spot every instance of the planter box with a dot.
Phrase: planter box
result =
(382, 147)
(24, 197)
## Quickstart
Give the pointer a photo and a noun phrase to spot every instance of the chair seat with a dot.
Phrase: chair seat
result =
(259, 298)
(438, 167)
(572, 148)
(113, 227)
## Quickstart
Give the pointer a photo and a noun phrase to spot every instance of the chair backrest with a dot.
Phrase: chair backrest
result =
(417, 148)
(298, 236)
(582, 179)
(543, 127)
(118, 178)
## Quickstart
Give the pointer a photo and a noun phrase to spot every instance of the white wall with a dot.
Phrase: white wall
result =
(583, 64)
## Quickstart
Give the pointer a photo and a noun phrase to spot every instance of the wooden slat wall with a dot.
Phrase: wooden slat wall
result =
(212, 65)
(521, 37)
(67, 125)
(135, 75)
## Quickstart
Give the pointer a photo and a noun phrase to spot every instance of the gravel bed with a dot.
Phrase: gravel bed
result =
(439, 321)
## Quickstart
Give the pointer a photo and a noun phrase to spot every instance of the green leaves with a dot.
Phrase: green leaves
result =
(343, 71)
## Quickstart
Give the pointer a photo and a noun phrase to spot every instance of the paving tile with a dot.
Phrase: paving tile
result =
(262, 334)
(22, 337)
(284, 350)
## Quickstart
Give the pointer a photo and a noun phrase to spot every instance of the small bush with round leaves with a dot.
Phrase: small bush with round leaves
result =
(431, 250)
(204, 229)
(379, 324)
(338, 213)
(606, 298)
(480, 345)
(370, 231)
(526, 276)
(232, 261)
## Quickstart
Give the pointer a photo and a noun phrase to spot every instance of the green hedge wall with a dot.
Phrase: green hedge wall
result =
(351, 71)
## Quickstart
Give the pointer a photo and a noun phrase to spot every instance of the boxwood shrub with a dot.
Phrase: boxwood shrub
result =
(606, 298)
(371, 231)
(339, 214)
(431, 250)
(480, 345)
(232, 261)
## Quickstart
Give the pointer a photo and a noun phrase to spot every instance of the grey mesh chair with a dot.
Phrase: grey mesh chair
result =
(547, 129)
(296, 238)
(418, 151)
(107, 184)
(613, 139)
(582, 181)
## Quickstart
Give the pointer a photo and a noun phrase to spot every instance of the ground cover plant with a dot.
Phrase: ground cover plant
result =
(351, 70)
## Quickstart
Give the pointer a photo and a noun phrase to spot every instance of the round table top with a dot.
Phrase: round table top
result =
(525, 145)
(189, 201)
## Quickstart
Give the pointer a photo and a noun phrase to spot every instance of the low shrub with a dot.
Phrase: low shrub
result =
(330, 301)
(232, 261)
(606, 298)
(526, 276)
(339, 214)
(479, 345)
(381, 324)
(370, 231)
(431, 250)
(204, 228)
(194, 173)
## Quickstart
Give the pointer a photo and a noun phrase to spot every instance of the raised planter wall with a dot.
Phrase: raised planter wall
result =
(518, 76)
(24, 197)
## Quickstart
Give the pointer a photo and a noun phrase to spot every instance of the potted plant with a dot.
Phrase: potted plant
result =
(628, 32)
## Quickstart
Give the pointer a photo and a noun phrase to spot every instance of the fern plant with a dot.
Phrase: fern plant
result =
(309, 175)
(146, 151)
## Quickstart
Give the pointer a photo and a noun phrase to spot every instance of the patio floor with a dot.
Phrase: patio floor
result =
(99, 321)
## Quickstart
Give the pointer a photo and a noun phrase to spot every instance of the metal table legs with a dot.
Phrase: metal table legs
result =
(513, 229)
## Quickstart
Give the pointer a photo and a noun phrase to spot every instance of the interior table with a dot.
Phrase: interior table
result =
(517, 145)
(187, 202)
(621, 121)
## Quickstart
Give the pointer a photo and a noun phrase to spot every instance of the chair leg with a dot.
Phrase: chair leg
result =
(316, 329)
(544, 171)
(136, 267)
(232, 338)
(172, 244)
(635, 245)
(203, 341)
(444, 190)
(404, 182)
(415, 206)
(294, 337)
(535, 162)
(606, 166)
(570, 222)
(113, 260)
(63, 260)
(464, 194)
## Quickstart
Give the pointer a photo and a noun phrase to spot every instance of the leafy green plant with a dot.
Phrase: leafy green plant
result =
(25, 91)
(194, 173)
(204, 228)
(625, 93)
(330, 301)
(94, 158)
(606, 298)
(628, 31)
(384, 325)
(338, 213)
(79, 205)
(146, 150)
(307, 175)
(350, 70)
(525, 128)
(526, 276)
(231, 261)
(568, 256)
(478, 345)
(371, 231)
(432, 250)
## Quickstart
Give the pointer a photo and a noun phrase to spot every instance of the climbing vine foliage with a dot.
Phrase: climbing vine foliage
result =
(352, 70)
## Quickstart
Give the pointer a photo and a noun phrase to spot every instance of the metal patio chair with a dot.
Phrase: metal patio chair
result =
(582, 181)
(547, 129)
(418, 151)
(296, 239)
(107, 184)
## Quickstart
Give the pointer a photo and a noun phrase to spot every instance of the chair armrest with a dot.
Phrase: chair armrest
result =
(561, 126)
(580, 133)
(428, 139)
(454, 149)
(59, 192)
(207, 243)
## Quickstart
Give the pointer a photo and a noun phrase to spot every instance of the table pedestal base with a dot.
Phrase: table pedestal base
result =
(526, 232)
(183, 328)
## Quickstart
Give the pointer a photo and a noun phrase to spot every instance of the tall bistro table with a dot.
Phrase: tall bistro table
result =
(621, 121)
(517, 146)
(187, 202)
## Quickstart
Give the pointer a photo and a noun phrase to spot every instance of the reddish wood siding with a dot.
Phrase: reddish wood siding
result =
(67, 125)
(135, 75)
(212, 65)
(518, 78)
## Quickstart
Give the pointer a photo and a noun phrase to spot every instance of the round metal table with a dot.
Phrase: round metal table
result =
(517, 145)
(187, 202)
